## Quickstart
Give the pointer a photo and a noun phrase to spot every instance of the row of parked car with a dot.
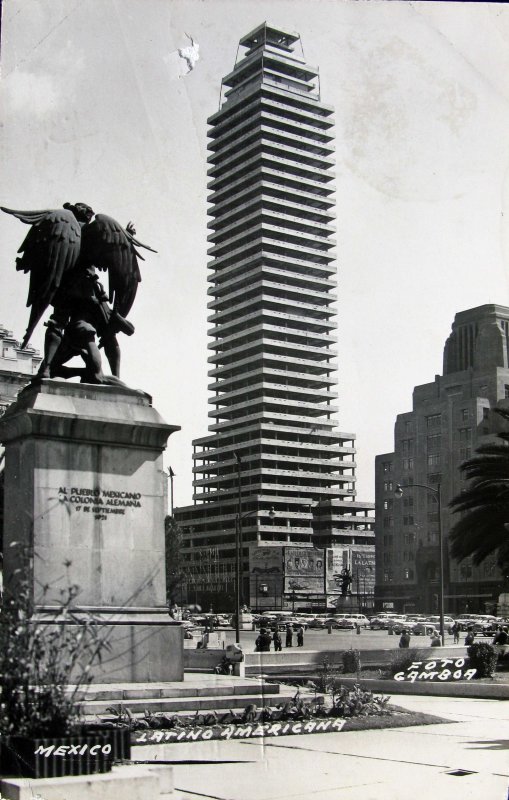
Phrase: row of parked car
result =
(416, 624)
(312, 621)
(420, 624)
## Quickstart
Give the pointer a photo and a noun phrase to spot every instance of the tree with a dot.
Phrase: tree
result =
(482, 529)
(173, 557)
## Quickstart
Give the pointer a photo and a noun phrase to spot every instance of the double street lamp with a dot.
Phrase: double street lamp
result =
(239, 547)
(436, 492)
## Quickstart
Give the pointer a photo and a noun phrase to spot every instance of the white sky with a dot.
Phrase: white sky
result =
(94, 111)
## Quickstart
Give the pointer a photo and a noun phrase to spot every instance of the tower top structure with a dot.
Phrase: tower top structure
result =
(271, 35)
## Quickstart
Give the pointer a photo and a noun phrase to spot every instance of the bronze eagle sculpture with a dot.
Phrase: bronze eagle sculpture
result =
(62, 251)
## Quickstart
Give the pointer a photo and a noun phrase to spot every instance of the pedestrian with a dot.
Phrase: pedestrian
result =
(502, 637)
(289, 636)
(262, 643)
(455, 630)
(469, 638)
(404, 640)
(276, 638)
(435, 639)
(300, 636)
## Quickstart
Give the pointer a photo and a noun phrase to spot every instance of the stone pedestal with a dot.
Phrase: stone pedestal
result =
(85, 498)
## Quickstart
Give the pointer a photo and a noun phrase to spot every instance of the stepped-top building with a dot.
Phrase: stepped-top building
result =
(273, 453)
(450, 418)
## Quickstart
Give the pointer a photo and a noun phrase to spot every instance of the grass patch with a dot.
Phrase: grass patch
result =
(399, 718)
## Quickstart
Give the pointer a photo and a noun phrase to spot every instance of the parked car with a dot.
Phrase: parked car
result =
(340, 623)
(318, 622)
(359, 619)
(422, 628)
(397, 623)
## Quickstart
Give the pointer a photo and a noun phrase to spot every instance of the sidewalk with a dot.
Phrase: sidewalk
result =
(395, 764)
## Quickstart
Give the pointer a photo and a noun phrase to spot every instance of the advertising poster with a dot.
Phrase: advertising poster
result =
(304, 570)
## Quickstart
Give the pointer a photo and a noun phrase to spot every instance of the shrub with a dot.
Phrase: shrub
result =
(326, 675)
(402, 659)
(39, 659)
(358, 702)
(351, 660)
(483, 658)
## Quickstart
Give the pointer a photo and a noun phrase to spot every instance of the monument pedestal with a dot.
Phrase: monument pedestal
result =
(85, 498)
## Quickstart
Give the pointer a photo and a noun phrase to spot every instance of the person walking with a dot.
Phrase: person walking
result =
(289, 636)
(300, 636)
(404, 638)
(276, 638)
(455, 630)
(469, 638)
(262, 643)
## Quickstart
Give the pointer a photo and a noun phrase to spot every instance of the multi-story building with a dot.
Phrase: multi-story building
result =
(273, 454)
(17, 366)
(450, 418)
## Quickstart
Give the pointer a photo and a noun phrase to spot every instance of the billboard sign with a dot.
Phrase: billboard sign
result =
(304, 570)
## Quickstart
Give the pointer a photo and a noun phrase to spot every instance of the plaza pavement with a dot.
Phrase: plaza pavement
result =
(413, 763)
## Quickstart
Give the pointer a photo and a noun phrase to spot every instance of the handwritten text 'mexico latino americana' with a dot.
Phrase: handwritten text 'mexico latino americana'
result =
(247, 731)
(99, 501)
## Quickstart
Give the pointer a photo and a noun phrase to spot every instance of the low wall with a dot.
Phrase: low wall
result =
(473, 688)
(299, 658)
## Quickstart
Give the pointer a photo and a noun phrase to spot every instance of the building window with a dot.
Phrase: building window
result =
(387, 558)
(408, 501)
(388, 504)
(464, 414)
(409, 538)
(388, 522)
(408, 520)
(388, 576)
(485, 412)
(465, 435)
(435, 477)
(408, 425)
(466, 571)
(407, 446)
(434, 442)
(465, 452)
(432, 537)
(408, 463)
(388, 540)
(388, 487)
(433, 459)
(409, 574)
(387, 466)
(433, 421)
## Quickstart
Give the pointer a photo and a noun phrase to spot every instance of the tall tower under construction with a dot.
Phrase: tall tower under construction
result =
(273, 455)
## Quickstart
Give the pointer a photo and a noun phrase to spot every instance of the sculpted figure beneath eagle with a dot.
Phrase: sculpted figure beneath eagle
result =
(62, 251)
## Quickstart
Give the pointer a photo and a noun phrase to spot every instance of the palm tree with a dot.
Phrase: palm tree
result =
(484, 506)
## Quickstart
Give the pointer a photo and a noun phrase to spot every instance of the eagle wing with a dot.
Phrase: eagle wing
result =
(51, 247)
(109, 246)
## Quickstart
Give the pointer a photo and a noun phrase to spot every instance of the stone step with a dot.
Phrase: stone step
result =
(188, 704)
(112, 693)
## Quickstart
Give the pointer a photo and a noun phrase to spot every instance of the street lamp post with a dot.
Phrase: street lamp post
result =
(239, 547)
(437, 492)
